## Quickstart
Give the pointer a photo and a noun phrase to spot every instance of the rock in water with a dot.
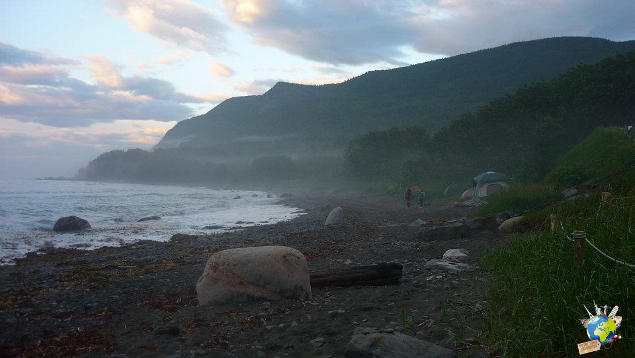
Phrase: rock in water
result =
(455, 255)
(510, 224)
(368, 342)
(336, 216)
(270, 272)
(149, 218)
(70, 223)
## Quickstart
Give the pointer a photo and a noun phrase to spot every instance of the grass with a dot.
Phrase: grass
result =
(536, 293)
(604, 151)
(520, 198)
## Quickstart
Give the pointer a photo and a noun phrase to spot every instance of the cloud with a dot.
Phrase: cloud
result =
(331, 31)
(174, 57)
(219, 69)
(35, 150)
(452, 26)
(46, 93)
(255, 87)
(178, 22)
(358, 31)
(104, 71)
(11, 55)
(330, 70)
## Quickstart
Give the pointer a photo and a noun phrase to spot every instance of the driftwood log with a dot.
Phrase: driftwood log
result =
(368, 275)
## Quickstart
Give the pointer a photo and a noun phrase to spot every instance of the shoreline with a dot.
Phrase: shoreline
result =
(113, 229)
(139, 299)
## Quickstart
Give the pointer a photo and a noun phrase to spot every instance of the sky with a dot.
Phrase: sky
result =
(81, 77)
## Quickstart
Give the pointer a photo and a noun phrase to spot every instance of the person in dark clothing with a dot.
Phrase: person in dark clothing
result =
(421, 195)
(408, 196)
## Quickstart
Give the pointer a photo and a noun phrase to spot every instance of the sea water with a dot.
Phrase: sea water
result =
(29, 209)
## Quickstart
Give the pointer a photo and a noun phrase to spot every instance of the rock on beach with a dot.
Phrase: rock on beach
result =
(336, 216)
(368, 342)
(70, 223)
(511, 224)
(269, 272)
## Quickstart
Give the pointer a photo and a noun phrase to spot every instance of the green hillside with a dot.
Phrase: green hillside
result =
(521, 134)
(428, 95)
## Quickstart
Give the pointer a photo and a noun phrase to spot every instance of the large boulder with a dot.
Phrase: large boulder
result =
(336, 216)
(455, 255)
(510, 225)
(270, 272)
(70, 223)
(369, 342)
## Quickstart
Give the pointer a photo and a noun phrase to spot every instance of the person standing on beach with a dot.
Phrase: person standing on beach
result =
(408, 195)
(421, 195)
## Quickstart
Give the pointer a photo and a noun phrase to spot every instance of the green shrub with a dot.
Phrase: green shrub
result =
(604, 151)
(519, 198)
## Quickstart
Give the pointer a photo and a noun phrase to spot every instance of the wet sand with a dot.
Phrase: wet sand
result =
(140, 300)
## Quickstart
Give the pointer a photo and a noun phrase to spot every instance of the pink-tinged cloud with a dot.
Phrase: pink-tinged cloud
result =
(178, 22)
(46, 93)
(220, 69)
(104, 71)
(33, 149)
(174, 57)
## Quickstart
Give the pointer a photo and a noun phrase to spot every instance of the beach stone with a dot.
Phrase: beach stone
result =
(446, 265)
(70, 223)
(317, 342)
(368, 342)
(270, 272)
(510, 224)
(417, 223)
(336, 216)
(149, 218)
(455, 255)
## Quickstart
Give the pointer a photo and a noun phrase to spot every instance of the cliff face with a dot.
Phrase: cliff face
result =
(428, 94)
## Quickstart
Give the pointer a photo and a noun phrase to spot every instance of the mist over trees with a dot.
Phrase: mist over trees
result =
(522, 134)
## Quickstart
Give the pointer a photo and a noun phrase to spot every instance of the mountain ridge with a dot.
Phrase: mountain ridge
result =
(428, 94)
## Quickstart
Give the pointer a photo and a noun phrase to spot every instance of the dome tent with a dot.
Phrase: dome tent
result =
(488, 183)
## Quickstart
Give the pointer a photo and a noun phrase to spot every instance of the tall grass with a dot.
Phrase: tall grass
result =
(519, 198)
(536, 293)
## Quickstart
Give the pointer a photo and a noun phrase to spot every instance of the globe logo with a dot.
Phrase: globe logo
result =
(601, 328)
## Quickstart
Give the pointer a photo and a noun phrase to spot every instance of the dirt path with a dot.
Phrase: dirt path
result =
(140, 300)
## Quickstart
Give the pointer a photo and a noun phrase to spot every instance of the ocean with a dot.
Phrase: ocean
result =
(29, 209)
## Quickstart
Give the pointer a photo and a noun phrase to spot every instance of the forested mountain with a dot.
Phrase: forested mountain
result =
(427, 94)
(522, 134)
(299, 132)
